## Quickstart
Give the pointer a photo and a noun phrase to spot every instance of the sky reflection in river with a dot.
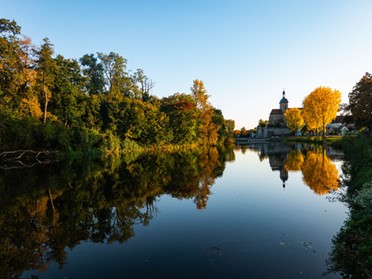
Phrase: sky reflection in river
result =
(250, 227)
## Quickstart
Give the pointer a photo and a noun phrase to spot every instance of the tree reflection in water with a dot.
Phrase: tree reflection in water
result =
(45, 210)
(319, 172)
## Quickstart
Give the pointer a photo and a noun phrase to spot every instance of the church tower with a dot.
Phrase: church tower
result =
(283, 103)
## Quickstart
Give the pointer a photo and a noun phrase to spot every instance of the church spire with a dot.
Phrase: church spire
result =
(283, 102)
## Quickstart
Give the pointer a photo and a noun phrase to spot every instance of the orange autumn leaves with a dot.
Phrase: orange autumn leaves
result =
(318, 171)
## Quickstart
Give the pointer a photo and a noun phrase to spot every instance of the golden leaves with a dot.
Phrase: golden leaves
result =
(320, 107)
(294, 119)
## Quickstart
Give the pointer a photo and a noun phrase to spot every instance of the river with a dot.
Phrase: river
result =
(261, 211)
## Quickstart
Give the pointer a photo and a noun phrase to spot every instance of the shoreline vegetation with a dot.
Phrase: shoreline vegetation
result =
(94, 107)
(328, 140)
(351, 255)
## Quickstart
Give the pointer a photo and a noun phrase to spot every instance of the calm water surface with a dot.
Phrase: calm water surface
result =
(258, 212)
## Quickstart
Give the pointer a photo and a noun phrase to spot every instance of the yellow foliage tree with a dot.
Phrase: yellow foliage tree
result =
(319, 173)
(294, 119)
(30, 107)
(320, 107)
(208, 130)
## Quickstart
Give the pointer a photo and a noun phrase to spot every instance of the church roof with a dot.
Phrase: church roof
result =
(283, 100)
(276, 112)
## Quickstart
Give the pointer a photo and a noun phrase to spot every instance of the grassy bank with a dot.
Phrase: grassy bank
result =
(352, 251)
(328, 140)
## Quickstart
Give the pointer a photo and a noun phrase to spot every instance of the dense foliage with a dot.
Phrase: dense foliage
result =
(360, 102)
(94, 104)
(352, 249)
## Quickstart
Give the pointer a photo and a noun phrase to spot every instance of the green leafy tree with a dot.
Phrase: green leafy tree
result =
(360, 102)
(182, 114)
(118, 82)
(230, 127)
(46, 68)
(93, 71)
(144, 85)
(68, 91)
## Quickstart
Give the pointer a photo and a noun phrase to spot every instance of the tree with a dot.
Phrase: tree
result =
(360, 102)
(294, 119)
(243, 132)
(320, 107)
(230, 126)
(68, 91)
(182, 114)
(145, 85)
(117, 81)
(208, 130)
(263, 123)
(93, 71)
(46, 67)
(17, 74)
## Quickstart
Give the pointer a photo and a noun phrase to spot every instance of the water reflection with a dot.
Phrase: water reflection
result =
(45, 210)
(319, 172)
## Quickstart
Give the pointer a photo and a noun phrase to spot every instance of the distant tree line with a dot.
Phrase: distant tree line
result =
(93, 104)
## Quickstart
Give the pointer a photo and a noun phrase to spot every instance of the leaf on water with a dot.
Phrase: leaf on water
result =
(308, 246)
(283, 244)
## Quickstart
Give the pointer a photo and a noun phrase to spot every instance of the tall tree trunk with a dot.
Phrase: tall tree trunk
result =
(46, 101)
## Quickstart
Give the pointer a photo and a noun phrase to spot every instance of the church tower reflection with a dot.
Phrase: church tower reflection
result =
(318, 170)
(277, 163)
(277, 154)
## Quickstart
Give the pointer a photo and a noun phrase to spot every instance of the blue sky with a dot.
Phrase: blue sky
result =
(246, 52)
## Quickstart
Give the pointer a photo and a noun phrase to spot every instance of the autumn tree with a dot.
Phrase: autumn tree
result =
(320, 107)
(360, 102)
(16, 71)
(294, 119)
(208, 130)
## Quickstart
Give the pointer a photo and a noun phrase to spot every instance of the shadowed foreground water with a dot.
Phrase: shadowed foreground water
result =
(265, 211)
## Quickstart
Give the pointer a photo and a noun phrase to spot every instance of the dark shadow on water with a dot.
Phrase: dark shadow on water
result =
(46, 209)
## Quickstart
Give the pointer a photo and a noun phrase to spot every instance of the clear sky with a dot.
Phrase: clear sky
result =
(245, 51)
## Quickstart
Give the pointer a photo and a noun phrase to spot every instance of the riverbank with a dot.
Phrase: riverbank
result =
(328, 140)
(352, 251)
